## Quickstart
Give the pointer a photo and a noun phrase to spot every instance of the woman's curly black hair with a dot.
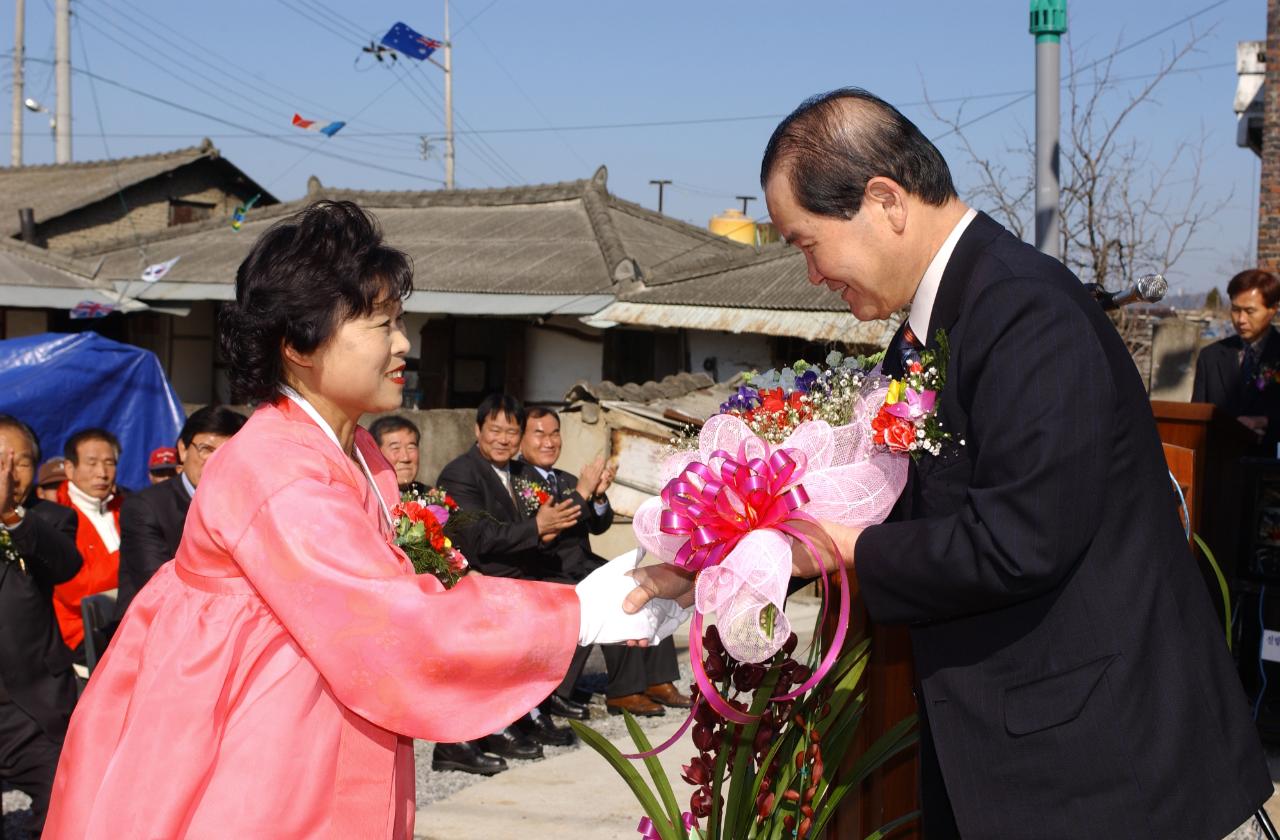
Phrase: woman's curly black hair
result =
(303, 278)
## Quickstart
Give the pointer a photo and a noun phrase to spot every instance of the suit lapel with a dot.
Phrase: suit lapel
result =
(496, 489)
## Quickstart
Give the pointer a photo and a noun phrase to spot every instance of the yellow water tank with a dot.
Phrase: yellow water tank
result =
(734, 224)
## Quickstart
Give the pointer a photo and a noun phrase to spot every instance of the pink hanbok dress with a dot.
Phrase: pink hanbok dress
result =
(268, 682)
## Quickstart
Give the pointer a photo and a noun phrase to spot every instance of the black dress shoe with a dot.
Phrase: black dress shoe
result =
(466, 758)
(509, 743)
(556, 705)
(542, 730)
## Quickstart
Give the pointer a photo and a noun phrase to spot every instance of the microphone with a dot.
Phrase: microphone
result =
(1149, 288)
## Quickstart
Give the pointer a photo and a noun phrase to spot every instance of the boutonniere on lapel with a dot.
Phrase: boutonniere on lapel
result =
(531, 494)
(908, 420)
(9, 554)
(1268, 375)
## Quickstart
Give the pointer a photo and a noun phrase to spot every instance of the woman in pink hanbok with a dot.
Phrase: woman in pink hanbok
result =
(268, 682)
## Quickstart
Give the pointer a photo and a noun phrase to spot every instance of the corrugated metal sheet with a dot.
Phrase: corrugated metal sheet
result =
(807, 325)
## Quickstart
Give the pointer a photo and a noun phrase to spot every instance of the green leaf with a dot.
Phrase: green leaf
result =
(768, 616)
(742, 783)
(629, 775)
(899, 737)
(1222, 585)
(659, 776)
(892, 826)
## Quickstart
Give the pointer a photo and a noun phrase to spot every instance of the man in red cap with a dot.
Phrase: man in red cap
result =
(162, 464)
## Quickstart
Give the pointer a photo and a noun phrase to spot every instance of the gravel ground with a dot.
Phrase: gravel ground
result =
(432, 786)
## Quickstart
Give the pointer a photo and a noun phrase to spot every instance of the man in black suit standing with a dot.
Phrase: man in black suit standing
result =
(641, 680)
(37, 686)
(1241, 374)
(151, 520)
(1071, 678)
(504, 540)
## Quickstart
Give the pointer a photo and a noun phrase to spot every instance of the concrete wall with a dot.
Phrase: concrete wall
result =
(733, 353)
(557, 359)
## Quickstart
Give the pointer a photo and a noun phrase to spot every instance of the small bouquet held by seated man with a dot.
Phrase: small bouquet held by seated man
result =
(420, 520)
(789, 450)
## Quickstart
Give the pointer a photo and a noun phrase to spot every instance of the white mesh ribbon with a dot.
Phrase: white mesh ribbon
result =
(846, 478)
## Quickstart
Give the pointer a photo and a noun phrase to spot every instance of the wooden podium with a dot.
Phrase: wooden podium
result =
(892, 790)
(1217, 442)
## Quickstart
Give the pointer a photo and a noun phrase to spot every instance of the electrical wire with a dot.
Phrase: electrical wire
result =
(247, 129)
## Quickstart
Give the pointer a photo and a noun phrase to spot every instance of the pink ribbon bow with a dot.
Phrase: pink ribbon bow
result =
(714, 507)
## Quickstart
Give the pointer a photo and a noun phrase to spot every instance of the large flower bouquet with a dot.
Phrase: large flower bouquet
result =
(790, 449)
(420, 521)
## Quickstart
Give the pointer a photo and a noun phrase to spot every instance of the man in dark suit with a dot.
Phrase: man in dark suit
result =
(151, 520)
(504, 539)
(1071, 678)
(641, 680)
(37, 686)
(1241, 374)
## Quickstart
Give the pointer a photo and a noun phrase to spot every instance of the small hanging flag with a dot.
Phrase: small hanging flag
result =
(152, 273)
(91, 309)
(327, 129)
(410, 43)
(237, 218)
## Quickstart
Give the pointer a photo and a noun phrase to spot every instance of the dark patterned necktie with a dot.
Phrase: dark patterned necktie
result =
(553, 487)
(1249, 366)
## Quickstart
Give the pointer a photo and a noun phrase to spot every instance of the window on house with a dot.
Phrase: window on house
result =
(184, 212)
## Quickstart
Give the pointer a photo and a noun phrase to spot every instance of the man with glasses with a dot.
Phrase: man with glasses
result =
(151, 520)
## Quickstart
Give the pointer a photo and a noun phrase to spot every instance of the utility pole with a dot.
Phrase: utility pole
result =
(1048, 22)
(19, 25)
(448, 102)
(62, 80)
(744, 199)
(661, 184)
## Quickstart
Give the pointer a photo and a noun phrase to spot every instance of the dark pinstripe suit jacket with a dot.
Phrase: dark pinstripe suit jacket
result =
(1075, 681)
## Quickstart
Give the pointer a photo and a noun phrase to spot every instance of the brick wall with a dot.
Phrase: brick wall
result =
(148, 208)
(1269, 191)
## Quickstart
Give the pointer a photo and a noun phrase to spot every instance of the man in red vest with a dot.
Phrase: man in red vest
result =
(92, 456)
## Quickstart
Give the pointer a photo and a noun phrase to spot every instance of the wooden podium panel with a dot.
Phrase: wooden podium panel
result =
(1218, 442)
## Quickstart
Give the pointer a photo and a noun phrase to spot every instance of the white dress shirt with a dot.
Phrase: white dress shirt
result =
(927, 291)
(104, 521)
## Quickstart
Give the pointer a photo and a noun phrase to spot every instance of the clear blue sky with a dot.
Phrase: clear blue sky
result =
(521, 65)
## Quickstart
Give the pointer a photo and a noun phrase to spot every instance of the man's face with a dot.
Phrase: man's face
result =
(94, 471)
(862, 259)
(195, 456)
(23, 473)
(540, 445)
(401, 449)
(1251, 315)
(497, 438)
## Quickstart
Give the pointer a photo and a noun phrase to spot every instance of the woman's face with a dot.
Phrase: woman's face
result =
(360, 369)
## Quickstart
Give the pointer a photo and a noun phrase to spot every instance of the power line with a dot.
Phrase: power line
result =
(247, 129)
(516, 83)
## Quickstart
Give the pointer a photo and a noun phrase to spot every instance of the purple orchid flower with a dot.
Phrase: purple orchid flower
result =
(913, 405)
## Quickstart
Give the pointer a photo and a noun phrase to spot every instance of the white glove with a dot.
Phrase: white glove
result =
(600, 596)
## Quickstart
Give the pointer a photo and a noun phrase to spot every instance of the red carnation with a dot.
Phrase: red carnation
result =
(900, 435)
(772, 401)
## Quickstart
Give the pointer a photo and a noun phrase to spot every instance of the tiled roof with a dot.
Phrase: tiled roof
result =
(55, 189)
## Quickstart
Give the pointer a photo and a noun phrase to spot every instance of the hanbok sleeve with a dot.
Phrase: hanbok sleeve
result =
(395, 647)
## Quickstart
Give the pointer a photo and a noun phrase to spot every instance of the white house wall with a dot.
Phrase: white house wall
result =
(733, 353)
(555, 360)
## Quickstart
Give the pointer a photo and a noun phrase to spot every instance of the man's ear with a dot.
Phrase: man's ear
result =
(891, 199)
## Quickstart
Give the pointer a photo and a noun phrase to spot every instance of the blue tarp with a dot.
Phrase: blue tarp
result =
(59, 384)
